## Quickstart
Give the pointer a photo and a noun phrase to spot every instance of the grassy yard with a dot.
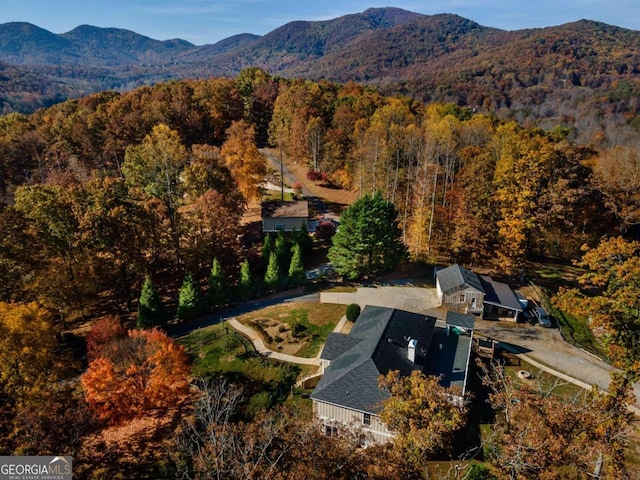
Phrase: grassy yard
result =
(295, 328)
(219, 351)
(540, 380)
(574, 330)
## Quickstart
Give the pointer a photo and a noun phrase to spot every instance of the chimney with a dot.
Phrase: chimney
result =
(411, 350)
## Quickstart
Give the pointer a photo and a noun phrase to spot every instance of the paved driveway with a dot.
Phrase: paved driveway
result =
(411, 299)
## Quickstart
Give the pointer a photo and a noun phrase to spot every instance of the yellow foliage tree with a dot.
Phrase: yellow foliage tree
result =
(423, 414)
(241, 155)
(27, 344)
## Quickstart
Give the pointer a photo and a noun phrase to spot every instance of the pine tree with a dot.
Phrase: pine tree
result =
(218, 286)
(150, 308)
(190, 302)
(282, 251)
(296, 268)
(272, 276)
(305, 241)
(267, 248)
(245, 282)
(369, 240)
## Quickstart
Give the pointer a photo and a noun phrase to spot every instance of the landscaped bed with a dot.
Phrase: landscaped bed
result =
(295, 328)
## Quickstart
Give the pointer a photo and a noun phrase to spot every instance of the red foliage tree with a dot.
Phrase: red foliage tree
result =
(144, 371)
(105, 331)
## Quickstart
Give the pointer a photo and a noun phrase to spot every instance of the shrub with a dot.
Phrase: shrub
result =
(479, 472)
(299, 329)
(353, 312)
(314, 176)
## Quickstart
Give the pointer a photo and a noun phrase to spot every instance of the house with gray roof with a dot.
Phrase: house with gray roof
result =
(285, 216)
(385, 339)
(464, 290)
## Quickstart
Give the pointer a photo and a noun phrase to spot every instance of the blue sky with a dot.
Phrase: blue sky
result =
(207, 21)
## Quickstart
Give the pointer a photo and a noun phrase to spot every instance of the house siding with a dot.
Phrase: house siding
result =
(289, 224)
(455, 299)
(333, 415)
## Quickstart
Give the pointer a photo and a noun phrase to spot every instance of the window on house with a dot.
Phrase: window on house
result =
(330, 430)
(462, 298)
(366, 419)
(280, 226)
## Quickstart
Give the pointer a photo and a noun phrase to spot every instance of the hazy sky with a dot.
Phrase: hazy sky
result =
(207, 21)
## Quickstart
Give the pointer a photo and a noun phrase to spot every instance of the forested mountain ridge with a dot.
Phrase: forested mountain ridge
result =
(26, 44)
(583, 75)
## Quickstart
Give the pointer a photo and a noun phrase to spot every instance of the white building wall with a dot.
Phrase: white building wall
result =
(331, 414)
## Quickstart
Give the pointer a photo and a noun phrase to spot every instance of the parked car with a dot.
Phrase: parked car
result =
(543, 317)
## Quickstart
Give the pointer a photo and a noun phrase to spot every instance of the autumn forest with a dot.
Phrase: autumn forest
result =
(100, 194)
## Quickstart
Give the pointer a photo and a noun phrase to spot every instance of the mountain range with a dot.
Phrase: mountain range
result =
(544, 72)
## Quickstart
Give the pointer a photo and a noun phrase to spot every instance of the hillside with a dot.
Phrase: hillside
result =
(569, 74)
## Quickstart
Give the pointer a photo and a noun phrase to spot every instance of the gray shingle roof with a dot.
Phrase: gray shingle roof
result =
(337, 344)
(464, 320)
(454, 277)
(380, 338)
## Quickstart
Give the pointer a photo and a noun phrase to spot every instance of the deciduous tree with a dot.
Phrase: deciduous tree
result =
(105, 332)
(423, 414)
(146, 371)
(539, 434)
(210, 226)
(27, 350)
(155, 166)
(241, 155)
(614, 268)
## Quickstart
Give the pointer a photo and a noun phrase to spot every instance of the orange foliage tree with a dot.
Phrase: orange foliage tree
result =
(142, 372)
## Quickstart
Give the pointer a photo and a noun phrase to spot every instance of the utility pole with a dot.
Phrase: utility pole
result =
(281, 176)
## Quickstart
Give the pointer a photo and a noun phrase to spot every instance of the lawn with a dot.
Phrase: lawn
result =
(219, 351)
(295, 328)
(539, 380)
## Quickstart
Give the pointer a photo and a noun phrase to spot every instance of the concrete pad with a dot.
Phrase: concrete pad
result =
(411, 299)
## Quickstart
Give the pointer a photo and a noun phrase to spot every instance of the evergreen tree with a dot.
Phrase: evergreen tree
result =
(267, 248)
(190, 302)
(245, 282)
(296, 268)
(369, 240)
(150, 308)
(305, 241)
(282, 251)
(218, 286)
(272, 276)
